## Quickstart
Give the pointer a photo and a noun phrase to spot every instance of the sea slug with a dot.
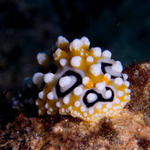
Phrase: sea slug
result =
(87, 84)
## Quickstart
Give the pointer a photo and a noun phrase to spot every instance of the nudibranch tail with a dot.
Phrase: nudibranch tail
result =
(88, 84)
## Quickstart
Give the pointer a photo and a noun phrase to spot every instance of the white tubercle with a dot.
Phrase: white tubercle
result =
(109, 105)
(58, 104)
(46, 105)
(82, 109)
(41, 57)
(108, 94)
(117, 67)
(36, 103)
(107, 75)
(61, 40)
(91, 111)
(85, 114)
(120, 93)
(75, 61)
(127, 90)
(77, 104)
(117, 101)
(48, 77)
(127, 83)
(70, 108)
(50, 96)
(75, 45)
(41, 95)
(38, 78)
(106, 54)
(97, 51)
(100, 86)
(95, 69)
(125, 76)
(85, 80)
(89, 59)
(51, 109)
(63, 62)
(85, 41)
(78, 91)
(99, 105)
(66, 100)
(91, 97)
(118, 81)
(57, 54)
(64, 81)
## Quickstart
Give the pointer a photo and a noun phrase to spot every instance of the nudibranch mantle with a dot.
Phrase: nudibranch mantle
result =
(88, 84)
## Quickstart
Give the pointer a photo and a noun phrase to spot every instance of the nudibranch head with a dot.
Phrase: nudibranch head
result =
(88, 83)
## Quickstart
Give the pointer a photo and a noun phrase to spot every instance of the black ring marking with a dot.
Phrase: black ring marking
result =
(78, 82)
(99, 97)
(103, 65)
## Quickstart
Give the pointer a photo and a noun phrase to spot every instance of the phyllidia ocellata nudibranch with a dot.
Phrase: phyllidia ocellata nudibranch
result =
(88, 84)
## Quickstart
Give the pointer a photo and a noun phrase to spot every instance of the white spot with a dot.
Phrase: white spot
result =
(127, 90)
(82, 109)
(58, 104)
(125, 76)
(75, 61)
(91, 111)
(100, 86)
(120, 93)
(41, 95)
(89, 59)
(76, 45)
(95, 69)
(98, 105)
(64, 81)
(78, 91)
(85, 80)
(50, 96)
(63, 62)
(51, 109)
(127, 83)
(46, 105)
(38, 78)
(108, 94)
(91, 97)
(117, 67)
(66, 100)
(41, 57)
(85, 114)
(77, 103)
(48, 77)
(61, 41)
(117, 101)
(118, 81)
(97, 51)
(85, 41)
(109, 105)
(106, 54)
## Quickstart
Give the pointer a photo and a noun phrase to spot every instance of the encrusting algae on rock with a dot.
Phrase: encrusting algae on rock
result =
(88, 84)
